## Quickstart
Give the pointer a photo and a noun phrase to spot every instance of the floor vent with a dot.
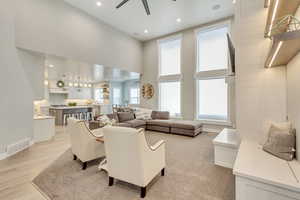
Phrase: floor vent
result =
(17, 147)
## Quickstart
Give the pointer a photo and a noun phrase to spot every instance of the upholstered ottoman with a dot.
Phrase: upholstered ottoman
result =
(184, 127)
(159, 125)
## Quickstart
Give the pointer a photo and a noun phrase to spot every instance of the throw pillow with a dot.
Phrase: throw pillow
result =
(280, 125)
(125, 116)
(164, 115)
(281, 143)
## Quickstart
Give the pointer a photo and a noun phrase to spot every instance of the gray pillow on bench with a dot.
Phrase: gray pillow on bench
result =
(281, 143)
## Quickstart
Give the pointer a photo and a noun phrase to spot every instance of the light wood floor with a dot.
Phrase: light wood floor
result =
(17, 171)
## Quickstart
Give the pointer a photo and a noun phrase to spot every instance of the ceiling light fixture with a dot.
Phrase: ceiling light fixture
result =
(273, 16)
(46, 82)
(233, 1)
(99, 3)
(146, 31)
(178, 20)
(51, 66)
(275, 54)
(71, 84)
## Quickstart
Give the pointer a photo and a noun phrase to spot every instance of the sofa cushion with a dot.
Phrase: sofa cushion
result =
(158, 128)
(187, 132)
(125, 116)
(184, 124)
(123, 125)
(136, 123)
(160, 115)
(157, 122)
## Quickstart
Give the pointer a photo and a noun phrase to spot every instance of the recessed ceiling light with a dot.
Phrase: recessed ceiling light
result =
(178, 20)
(51, 65)
(146, 31)
(99, 3)
(233, 1)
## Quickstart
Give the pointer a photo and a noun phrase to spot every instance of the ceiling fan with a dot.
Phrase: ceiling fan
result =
(145, 2)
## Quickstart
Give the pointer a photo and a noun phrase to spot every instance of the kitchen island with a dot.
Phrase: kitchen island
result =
(61, 113)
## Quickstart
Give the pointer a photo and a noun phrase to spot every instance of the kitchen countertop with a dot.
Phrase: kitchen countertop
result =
(43, 117)
(71, 107)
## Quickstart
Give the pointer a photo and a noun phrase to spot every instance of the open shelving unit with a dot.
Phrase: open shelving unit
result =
(284, 31)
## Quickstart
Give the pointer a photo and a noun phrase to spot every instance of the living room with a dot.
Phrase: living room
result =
(149, 99)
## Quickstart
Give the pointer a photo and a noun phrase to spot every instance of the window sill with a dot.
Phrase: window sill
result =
(215, 122)
(176, 117)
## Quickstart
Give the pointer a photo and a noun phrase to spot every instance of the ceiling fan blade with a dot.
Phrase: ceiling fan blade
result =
(122, 3)
(145, 2)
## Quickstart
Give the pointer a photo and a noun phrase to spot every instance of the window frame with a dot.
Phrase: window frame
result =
(137, 97)
(180, 96)
(100, 92)
(172, 77)
(212, 74)
(119, 98)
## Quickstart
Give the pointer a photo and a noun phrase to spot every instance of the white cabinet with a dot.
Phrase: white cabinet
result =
(82, 93)
(261, 176)
(44, 128)
(226, 147)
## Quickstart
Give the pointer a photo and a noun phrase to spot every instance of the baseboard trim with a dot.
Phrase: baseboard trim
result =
(3, 156)
(211, 130)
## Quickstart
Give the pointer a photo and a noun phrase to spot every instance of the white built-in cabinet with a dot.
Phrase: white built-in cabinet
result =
(83, 93)
(262, 176)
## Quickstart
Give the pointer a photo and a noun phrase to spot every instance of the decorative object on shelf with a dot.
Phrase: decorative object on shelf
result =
(287, 23)
(60, 84)
(147, 91)
(72, 104)
(283, 28)
(145, 3)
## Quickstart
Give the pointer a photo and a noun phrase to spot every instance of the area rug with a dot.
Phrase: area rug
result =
(190, 174)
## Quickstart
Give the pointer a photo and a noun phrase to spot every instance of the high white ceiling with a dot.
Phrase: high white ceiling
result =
(132, 18)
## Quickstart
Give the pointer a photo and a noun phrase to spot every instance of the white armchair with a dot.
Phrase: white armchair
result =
(130, 158)
(83, 141)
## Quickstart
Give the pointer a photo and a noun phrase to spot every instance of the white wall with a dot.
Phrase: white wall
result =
(34, 67)
(260, 92)
(56, 28)
(16, 102)
(293, 94)
(53, 27)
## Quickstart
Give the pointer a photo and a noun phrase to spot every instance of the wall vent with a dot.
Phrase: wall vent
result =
(17, 147)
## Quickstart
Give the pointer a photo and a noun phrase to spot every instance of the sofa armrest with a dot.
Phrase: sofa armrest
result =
(157, 145)
(97, 133)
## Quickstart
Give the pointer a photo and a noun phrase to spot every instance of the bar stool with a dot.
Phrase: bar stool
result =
(66, 117)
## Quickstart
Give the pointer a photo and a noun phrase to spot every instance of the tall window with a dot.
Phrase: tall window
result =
(212, 64)
(117, 96)
(98, 95)
(134, 95)
(170, 75)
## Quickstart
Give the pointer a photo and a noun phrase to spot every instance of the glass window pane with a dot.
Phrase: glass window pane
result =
(170, 58)
(212, 49)
(212, 99)
(98, 95)
(117, 96)
(170, 97)
(134, 95)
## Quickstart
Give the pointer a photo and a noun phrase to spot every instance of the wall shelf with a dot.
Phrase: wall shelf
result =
(284, 47)
(284, 31)
(278, 9)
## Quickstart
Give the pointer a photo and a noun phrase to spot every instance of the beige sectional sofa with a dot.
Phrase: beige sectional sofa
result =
(160, 121)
